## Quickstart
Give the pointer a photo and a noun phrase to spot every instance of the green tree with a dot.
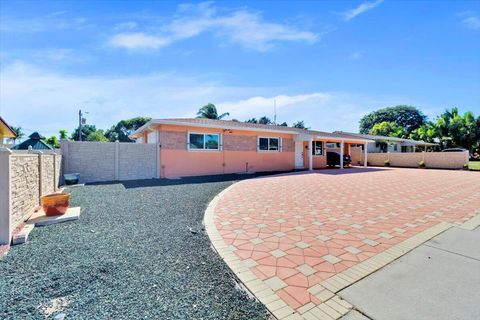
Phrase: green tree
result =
(209, 111)
(264, 120)
(53, 142)
(283, 124)
(300, 125)
(427, 132)
(63, 134)
(408, 117)
(86, 130)
(19, 132)
(97, 135)
(124, 128)
(456, 130)
(389, 129)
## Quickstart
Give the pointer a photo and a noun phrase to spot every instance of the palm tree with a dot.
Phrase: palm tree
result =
(63, 134)
(209, 111)
(19, 132)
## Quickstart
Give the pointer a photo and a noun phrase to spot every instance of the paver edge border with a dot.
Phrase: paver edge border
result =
(256, 287)
(333, 306)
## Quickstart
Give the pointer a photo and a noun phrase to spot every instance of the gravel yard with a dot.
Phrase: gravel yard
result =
(130, 256)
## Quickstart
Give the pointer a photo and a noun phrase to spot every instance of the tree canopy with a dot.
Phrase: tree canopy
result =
(86, 130)
(19, 132)
(209, 111)
(389, 129)
(63, 134)
(408, 117)
(456, 130)
(300, 125)
(450, 129)
(97, 135)
(124, 128)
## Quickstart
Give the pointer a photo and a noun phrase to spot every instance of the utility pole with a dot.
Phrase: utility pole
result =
(81, 122)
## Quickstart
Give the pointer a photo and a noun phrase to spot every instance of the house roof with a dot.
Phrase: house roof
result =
(229, 124)
(5, 130)
(385, 138)
(35, 142)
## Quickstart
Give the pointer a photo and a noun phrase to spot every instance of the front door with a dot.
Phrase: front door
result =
(299, 155)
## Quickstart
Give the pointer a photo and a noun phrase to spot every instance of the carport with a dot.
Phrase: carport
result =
(310, 142)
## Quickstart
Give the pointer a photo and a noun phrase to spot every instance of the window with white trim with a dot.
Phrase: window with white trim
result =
(317, 149)
(203, 141)
(268, 144)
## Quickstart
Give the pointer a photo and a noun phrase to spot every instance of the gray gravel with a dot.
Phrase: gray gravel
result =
(130, 256)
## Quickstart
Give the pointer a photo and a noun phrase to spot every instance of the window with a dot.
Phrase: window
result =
(203, 141)
(268, 144)
(317, 149)
(333, 145)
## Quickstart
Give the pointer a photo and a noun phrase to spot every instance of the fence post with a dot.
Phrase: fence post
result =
(157, 150)
(40, 175)
(5, 196)
(64, 152)
(54, 171)
(116, 160)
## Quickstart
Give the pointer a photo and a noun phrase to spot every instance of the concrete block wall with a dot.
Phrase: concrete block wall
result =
(25, 177)
(137, 161)
(110, 161)
(93, 160)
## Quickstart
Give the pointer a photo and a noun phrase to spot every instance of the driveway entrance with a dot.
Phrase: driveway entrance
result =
(294, 232)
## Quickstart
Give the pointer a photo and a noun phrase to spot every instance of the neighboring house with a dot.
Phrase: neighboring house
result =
(35, 141)
(197, 146)
(6, 132)
(382, 144)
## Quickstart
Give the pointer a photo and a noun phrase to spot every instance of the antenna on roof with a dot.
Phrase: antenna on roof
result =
(274, 111)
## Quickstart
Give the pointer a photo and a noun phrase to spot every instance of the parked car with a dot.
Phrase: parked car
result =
(454, 150)
(333, 159)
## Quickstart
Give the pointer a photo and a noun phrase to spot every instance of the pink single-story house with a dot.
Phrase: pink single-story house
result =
(197, 146)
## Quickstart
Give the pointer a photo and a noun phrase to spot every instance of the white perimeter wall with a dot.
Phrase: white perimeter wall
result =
(437, 160)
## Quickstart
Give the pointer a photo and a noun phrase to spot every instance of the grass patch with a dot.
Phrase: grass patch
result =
(474, 165)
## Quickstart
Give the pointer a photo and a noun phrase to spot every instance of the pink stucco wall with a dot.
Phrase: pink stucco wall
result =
(239, 153)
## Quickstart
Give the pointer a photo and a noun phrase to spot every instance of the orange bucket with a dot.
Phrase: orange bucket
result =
(56, 203)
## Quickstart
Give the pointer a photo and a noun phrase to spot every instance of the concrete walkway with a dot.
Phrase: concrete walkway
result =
(438, 280)
(299, 239)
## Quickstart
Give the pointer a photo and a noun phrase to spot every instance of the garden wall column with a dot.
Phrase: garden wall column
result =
(342, 147)
(365, 155)
(5, 196)
(310, 156)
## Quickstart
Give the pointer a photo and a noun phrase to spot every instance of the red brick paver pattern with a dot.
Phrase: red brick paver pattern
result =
(294, 231)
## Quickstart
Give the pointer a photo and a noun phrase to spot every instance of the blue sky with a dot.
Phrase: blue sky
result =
(327, 63)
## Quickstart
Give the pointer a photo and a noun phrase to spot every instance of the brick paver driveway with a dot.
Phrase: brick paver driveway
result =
(295, 231)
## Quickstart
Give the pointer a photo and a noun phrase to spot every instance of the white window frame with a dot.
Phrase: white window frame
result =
(314, 148)
(264, 137)
(204, 134)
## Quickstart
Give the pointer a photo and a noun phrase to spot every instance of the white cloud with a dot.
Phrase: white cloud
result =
(470, 20)
(43, 100)
(138, 41)
(362, 8)
(247, 28)
(356, 55)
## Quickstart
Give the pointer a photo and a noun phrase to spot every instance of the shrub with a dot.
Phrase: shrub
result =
(465, 166)
(421, 164)
(387, 163)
